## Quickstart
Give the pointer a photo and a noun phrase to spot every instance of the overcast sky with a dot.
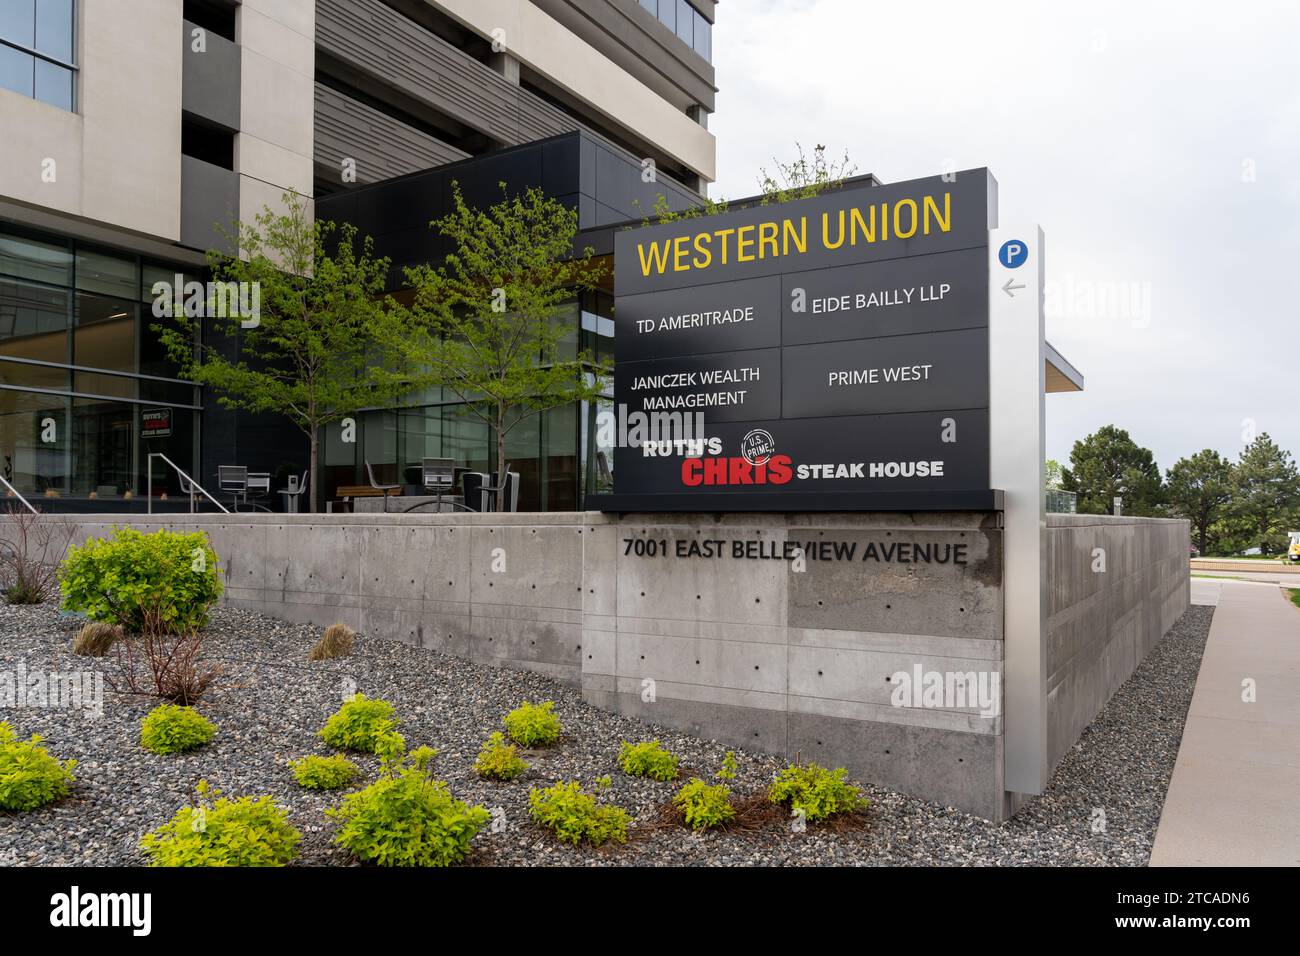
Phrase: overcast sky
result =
(1157, 143)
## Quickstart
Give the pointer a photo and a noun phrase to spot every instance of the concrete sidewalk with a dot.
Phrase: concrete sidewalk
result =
(1235, 795)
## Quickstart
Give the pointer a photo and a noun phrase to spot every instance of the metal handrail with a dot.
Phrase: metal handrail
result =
(18, 494)
(180, 471)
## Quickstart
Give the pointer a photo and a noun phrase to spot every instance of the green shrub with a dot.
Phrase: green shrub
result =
(704, 805)
(647, 760)
(159, 583)
(499, 760)
(29, 776)
(169, 729)
(532, 724)
(818, 792)
(324, 773)
(406, 818)
(243, 832)
(362, 724)
(728, 771)
(574, 815)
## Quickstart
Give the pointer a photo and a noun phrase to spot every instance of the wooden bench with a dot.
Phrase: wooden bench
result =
(348, 492)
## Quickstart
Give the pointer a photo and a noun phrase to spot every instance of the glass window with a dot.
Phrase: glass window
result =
(103, 447)
(96, 383)
(54, 85)
(16, 70)
(652, 6)
(33, 321)
(104, 334)
(18, 22)
(54, 28)
(26, 375)
(34, 441)
(42, 261)
(703, 40)
(111, 275)
(685, 14)
(668, 14)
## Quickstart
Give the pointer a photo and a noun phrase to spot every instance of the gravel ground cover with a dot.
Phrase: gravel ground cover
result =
(271, 701)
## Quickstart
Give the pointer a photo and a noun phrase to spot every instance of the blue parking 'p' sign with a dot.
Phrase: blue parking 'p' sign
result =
(1013, 253)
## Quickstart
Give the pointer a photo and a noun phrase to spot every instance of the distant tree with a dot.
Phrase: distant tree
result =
(309, 351)
(488, 324)
(1199, 488)
(1266, 492)
(1109, 464)
(1053, 475)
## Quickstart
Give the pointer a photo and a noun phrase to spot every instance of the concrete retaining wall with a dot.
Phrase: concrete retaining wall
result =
(1102, 623)
(784, 633)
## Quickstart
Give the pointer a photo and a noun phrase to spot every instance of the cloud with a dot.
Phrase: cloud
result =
(1158, 144)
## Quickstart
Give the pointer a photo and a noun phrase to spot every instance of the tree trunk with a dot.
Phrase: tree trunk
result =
(311, 474)
(501, 455)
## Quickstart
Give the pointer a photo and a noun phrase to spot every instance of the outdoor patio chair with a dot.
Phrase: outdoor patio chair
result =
(233, 480)
(384, 490)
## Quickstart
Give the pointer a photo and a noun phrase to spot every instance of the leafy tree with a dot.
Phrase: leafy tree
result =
(488, 323)
(1109, 464)
(309, 354)
(1199, 488)
(1266, 492)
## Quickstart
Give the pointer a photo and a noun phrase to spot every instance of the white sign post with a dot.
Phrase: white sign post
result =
(1017, 445)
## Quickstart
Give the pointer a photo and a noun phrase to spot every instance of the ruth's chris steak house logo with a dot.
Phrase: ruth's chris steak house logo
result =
(759, 464)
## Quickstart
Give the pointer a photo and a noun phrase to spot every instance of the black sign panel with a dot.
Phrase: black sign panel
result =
(823, 353)
(948, 290)
(711, 318)
(902, 373)
(726, 386)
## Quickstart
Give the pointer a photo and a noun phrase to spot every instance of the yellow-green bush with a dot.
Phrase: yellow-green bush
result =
(362, 724)
(406, 818)
(532, 725)
(165, 582)
(324, 773)
(243, 832)
(818, 792)
(574, 815)
(704, 805)
(647, 759)
(29, 776)
(498, 760)
(170, 729)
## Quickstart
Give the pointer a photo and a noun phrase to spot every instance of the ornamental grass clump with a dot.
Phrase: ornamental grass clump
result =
(363, 725)
(647, 759)
(817, 792)
(335, 642)
(533, 725)
(170, 729)
(96, 639)
(406, 818)
(498, 760)
(29, 776)
(245, 832)
(324, 773)
(573, 815)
